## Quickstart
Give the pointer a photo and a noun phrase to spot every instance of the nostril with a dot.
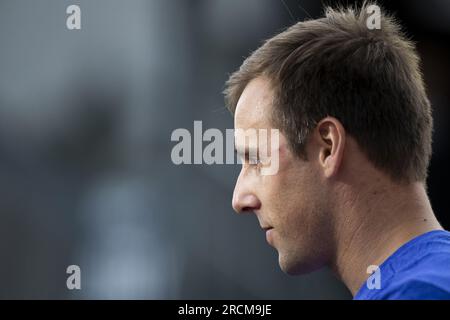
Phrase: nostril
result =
(245, 203)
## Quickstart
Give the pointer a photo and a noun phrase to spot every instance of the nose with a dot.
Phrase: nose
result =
(244, 199)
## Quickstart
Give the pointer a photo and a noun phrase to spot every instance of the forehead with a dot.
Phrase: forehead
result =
(255, 104)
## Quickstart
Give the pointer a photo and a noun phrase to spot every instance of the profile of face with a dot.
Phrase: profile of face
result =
(293, 205)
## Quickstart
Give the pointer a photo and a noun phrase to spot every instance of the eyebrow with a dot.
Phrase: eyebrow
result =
(246, 152)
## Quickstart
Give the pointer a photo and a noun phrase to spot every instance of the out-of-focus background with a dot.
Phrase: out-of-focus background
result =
(86, 176)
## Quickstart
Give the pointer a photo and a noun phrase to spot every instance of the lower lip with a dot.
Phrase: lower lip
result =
(269, 235)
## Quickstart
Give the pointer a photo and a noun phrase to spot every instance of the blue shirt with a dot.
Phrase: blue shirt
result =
(420, 269)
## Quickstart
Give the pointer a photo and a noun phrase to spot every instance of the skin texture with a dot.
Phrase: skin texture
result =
(334, 209)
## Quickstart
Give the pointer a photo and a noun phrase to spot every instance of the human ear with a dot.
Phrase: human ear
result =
(330, 135)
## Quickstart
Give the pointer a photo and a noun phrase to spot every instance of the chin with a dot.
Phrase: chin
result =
(298, 265)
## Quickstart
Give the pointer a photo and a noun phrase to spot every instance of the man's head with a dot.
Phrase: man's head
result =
(351, 107)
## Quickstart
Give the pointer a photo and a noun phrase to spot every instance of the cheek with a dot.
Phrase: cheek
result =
(291, 196)
(282, 195)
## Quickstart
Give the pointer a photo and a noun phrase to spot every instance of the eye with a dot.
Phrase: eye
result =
(250, 159)
(254, 160)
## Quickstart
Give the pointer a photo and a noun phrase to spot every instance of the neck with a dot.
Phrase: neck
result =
(374, 225)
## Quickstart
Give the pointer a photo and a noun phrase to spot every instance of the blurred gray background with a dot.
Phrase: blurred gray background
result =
(86, 176)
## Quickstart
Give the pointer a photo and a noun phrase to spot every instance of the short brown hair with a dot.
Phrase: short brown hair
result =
(369, 80)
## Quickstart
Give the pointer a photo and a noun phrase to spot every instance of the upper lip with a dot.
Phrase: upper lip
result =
(262, 223)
